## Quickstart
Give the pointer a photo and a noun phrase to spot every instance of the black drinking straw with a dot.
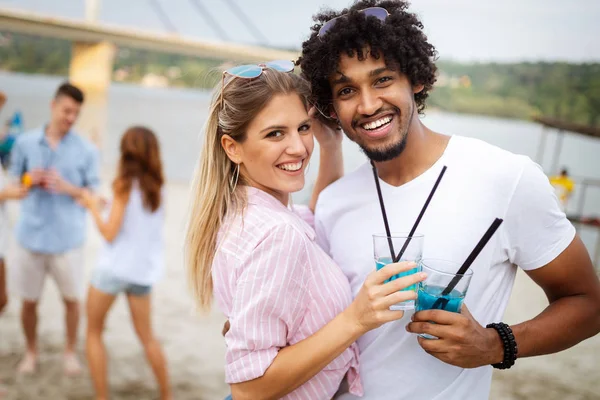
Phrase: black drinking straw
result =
(383, 213)
(465, 266)
(416, 224)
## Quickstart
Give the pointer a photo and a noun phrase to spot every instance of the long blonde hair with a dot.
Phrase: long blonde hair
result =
(212, 194)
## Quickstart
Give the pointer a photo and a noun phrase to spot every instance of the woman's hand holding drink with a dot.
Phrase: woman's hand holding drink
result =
(371, 307)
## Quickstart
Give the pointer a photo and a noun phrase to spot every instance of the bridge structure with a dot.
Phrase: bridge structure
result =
(94, 47)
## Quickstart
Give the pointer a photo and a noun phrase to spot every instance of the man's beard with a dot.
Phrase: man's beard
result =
(388, 153)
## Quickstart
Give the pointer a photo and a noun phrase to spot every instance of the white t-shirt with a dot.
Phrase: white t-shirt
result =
(136, 255)
(482, 182)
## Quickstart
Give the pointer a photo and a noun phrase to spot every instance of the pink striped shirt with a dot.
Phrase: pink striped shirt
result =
(277, 287)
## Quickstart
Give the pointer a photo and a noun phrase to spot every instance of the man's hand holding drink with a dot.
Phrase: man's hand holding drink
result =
(461, 342)
(35, 177)
(49, 180)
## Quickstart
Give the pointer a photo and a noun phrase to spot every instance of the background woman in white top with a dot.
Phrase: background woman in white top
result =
(132, 259)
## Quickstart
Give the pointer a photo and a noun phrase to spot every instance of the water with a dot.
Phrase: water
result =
(177, 116)
(427, 295)
(404, 305)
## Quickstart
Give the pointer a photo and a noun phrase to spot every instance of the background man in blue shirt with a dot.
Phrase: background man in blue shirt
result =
(57, 164)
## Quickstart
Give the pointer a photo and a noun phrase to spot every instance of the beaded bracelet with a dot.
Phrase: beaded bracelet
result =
(508, 342)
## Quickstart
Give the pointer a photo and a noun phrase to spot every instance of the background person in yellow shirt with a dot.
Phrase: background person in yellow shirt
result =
(563, 186)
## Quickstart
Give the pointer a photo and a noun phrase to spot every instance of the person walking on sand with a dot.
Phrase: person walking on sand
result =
(132, 259)
(58, 165)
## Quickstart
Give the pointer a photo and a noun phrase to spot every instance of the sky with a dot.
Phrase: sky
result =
(461, 30)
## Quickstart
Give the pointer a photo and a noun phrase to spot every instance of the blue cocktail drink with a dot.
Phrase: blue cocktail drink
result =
(430, 296)
(403, 247)
(382, 262)
(442, 289)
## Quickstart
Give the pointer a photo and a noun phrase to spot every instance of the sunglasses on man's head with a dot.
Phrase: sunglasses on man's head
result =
(251, 71)
(378, 12)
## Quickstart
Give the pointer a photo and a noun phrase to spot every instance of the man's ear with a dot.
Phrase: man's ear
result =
(232, 148)
(333, 114)
(418, 88)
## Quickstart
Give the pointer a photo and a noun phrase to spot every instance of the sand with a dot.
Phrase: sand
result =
(195, 349)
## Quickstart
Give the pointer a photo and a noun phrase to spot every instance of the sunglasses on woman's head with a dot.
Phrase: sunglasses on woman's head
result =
(378, 12)
(251, 71)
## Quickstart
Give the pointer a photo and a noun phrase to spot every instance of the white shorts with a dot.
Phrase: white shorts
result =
(29, 272)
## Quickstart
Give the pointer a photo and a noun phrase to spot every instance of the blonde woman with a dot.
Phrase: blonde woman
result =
(293, 323)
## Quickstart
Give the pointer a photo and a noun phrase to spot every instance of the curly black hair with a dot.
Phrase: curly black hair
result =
(400, 40)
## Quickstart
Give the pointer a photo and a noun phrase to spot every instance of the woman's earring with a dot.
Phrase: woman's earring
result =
(234, 178)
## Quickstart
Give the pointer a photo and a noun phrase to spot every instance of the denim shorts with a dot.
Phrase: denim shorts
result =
(108, 283)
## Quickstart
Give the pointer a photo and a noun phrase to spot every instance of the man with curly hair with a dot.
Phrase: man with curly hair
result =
(371, 69)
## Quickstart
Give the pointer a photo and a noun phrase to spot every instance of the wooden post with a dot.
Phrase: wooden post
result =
(91, 70)
(557, 151)
(539, 157)
(92, 9)
(582, 193)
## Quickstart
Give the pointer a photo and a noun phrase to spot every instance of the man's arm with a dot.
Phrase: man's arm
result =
(573, 315)
(13, 191)
(573, 290)
(91, 179)
(331, 161)
(110, 228)
(540, 240)
(56, 183)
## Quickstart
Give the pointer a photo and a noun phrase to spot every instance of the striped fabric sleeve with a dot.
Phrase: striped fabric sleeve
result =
(305, 213)
(269, 303)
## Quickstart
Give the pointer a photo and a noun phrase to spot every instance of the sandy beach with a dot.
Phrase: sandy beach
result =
(195, 349)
